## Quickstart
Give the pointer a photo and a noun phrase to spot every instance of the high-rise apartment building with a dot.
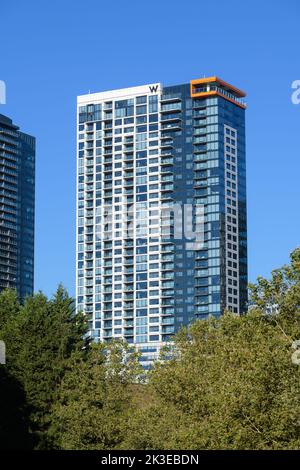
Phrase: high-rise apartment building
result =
(161, 209)
(17, 201)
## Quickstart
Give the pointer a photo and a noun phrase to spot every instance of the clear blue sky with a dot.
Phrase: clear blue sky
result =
(52, 51)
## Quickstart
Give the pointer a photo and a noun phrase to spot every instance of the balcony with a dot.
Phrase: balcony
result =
(173, 126)
(129, 332)
(168, 320)
(170, 98)
(128, 305)
(128, 149)
(129, 288)
(171, 117)
(166, 161)
(128, 174)
(128, 270)
(107, 334)
(128, 297)
(128, 165)
(128, 262)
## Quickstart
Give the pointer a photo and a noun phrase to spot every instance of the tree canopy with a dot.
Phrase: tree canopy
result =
(227, 383)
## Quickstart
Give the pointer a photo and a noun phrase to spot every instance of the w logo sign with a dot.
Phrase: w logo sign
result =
(153, 88)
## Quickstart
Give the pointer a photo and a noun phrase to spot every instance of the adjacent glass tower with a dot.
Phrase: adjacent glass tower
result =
(17, 200)
(161, 209)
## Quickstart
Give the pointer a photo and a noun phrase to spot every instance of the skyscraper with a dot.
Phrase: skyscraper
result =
(17, 202)
(161, 209)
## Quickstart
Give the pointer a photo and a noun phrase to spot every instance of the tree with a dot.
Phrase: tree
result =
(14, 419)
(40, 339)
(231, 383)
(9, 306)
(95, 398)
(283, 287)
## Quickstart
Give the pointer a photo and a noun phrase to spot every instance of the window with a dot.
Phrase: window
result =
(128, 121)
(154, 338)
(153, 118)
(141, 99)
(141, 119)
(153, 104)
(141, 110)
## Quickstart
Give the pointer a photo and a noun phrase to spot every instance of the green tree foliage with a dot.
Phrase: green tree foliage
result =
(230, 383)
(40, 337)
(14, 419)
(9, 306)
(232, 386)
(281, 294)
(95, 398)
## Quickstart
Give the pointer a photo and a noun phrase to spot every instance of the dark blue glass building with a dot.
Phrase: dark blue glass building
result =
(206, 135)
(17, 203)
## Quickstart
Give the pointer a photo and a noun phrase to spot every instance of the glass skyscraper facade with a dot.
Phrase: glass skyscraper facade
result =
(17, 203)
(161, 209)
